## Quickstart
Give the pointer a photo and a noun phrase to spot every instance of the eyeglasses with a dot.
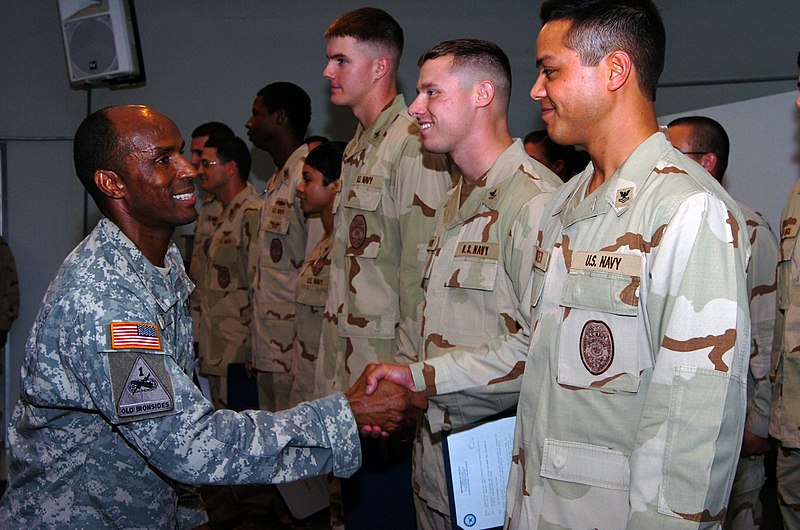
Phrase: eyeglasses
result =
(208, 163)
(694, 152)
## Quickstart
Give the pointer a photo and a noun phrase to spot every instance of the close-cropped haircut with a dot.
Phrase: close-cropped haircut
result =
(708, 136)
(598, 27)
(372, 26)
(233, 148)
(212, 129)
(574, 160)
(479, 56)
(293, 100)
(327, 159)
(97, 145)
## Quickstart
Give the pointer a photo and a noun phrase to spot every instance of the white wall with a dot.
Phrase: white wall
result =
(765, 150)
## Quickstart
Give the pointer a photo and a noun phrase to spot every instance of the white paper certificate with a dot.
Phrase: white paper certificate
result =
(479, 460)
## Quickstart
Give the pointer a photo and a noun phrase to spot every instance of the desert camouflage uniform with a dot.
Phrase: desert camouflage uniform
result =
(312, 290)
(226, 312)
(282, 247)
(210, 210)
(383, 217)
(785, 369)
(632, 404)
(479, 264)
(9, 287)
(84, 456)
(744, 507)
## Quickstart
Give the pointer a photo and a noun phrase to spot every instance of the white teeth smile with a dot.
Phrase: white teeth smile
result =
(425, 125)
(183, 196)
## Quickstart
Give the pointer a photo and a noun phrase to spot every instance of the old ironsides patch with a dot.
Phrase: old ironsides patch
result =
(275, 250)
(597, 346)
(358, 231)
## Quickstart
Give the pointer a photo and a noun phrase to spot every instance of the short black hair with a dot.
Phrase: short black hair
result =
(233, 148)
(97, 145)
(293, 100)
(602, 26)
(327, 159)
(212, 129)
(475, 54)
(315, 138)
(575, 160)
(708, 136)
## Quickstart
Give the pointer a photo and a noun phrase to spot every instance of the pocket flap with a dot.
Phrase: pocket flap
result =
(587, 464)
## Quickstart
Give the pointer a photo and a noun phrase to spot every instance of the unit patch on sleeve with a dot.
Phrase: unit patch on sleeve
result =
(141, 385)
(134, 335)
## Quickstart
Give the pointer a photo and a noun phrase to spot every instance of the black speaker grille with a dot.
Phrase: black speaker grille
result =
(92, 48)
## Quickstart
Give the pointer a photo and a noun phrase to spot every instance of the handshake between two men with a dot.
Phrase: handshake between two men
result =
(384, 401)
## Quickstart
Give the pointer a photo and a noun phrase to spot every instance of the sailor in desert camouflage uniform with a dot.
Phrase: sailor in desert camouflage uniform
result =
(280, 116)
(480, 255)
(223, 334)
(631, 405)
(383, 214)
(785, 367)
(705, 141)
(110, 429)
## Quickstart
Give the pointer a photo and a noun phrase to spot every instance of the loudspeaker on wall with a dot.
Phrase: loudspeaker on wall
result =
(100, 40)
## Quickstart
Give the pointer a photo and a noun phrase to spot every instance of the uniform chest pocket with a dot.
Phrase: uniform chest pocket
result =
(277, 215)
(365, 231)
(474, 266)
(225, 273)
(599, 343)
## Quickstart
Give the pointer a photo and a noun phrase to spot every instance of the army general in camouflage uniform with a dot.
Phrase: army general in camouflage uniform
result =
(224, 295)
(110, 428)
(480, 255)
(632, 401)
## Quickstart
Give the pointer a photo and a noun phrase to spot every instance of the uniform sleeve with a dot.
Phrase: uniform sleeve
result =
(762, 288)
(689, 435)
(191, 442)
(500, 372)
(420, 184)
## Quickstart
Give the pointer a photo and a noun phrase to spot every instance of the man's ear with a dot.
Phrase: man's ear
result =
(485, 93)
(620, 67)
(109, 183)
(709, 161)
(382, 66)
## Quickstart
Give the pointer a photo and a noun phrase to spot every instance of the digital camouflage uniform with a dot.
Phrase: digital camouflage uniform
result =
(632, 404)
(785, 368)
(207, 216)
(282, 238)
(479, 264)
(744, 507)
(383, 217)
(9, 287)
(226, 312)
(312, 290)
(109, 427)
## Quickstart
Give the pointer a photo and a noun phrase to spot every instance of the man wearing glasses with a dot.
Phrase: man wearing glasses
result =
(223, 329)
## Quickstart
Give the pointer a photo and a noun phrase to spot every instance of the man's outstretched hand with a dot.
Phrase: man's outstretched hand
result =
(389, 407)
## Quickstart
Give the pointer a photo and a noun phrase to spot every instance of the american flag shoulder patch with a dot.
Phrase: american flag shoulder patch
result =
(128, 335)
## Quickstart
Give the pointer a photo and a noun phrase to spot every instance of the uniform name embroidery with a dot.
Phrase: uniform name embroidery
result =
(373, 181)
(478, 249)
(628, 264)
(130, 335)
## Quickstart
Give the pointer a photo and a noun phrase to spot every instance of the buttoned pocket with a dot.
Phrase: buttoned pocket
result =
(599, 336)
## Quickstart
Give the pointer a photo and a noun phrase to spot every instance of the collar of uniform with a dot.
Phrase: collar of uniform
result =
(284, 174)
(621, 190)
(377, 131)
(168, 290)
(489, 190)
